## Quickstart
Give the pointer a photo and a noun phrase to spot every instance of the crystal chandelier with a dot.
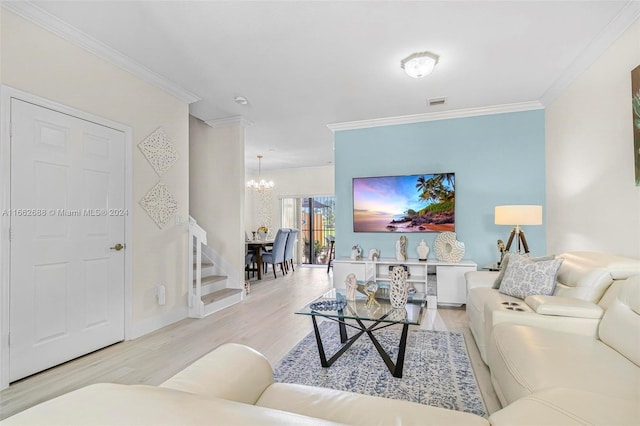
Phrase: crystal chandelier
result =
(261, 184)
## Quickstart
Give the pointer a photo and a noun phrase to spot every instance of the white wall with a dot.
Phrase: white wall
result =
(216, 191)
(36, 61)
(303, 181)
(593, 203)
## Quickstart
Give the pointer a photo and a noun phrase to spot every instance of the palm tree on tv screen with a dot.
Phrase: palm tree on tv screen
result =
(434, 189)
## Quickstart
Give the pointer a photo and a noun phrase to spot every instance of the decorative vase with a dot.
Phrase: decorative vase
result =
(447, 248)
(401, 248)
(423, 250)
(398, 291)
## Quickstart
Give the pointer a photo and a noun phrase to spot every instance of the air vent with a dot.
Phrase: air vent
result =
(436, 101)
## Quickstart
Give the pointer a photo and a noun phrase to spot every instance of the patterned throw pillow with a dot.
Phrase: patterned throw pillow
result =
(523, 277)
(505, 262)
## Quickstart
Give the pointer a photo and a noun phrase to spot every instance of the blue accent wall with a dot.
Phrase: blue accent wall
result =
(497, 159)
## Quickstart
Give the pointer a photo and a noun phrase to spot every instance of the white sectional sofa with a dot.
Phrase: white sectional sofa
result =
(595, 379)
(232, 385)
(587, 282)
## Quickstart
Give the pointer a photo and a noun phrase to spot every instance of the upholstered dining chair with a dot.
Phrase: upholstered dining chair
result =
(288, 249)
(249, 261)
(276, 256)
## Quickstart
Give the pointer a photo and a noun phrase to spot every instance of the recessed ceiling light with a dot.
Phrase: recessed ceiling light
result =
(241, 100)
(418, 65)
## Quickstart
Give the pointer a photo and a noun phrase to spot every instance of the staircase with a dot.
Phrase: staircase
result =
(209, 292)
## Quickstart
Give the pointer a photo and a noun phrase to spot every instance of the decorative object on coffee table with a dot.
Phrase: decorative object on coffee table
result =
(352, 286)
(370, 289)
(401, 248)
(398, 291)
(447, 248)
(423, 251)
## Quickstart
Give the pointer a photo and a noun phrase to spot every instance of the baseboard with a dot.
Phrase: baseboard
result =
(149, 325)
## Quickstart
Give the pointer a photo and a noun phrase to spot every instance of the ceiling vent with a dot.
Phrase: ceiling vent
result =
(437, 101)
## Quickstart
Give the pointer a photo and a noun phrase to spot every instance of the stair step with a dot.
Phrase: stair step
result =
(219, 295)
(211, 279)
(203, 265)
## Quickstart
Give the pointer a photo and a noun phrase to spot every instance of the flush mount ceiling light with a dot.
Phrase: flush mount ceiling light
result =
(241, 100)
(260, 185)
(418, 65)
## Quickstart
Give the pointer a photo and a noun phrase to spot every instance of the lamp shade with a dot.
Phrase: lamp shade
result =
(518, 215)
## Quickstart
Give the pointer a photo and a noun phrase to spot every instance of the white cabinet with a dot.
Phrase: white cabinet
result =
(449, 288)
(452, 287)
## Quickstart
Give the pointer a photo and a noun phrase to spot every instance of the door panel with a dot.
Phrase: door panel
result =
(67, 286)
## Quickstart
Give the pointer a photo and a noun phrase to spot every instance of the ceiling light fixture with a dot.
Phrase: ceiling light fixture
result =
(418, 65)
(260, 185)
(241, 100)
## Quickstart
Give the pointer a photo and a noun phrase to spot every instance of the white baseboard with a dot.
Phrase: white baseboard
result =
(149, 325)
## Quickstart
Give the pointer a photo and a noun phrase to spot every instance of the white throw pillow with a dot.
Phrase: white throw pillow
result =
(524, 277)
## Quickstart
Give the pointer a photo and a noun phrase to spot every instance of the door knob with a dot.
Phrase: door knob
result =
(117, 247)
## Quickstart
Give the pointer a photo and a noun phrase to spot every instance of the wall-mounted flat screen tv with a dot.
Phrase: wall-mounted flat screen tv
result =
(414, 203)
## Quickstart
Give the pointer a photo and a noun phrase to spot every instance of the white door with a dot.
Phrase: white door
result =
(67, 201)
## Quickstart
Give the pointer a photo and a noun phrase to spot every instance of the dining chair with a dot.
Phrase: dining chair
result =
(288, 249)
(276, 256)
(331, 241)
(249, 260)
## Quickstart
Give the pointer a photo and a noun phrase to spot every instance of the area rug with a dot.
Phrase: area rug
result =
(437, 370)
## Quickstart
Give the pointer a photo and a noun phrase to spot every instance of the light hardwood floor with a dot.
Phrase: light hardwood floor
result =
(264, 321)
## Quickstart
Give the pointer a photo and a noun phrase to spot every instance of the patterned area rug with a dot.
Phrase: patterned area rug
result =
(437, 370)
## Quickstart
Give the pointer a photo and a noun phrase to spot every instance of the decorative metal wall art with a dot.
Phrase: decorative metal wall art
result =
(159, 204)
(159, 151)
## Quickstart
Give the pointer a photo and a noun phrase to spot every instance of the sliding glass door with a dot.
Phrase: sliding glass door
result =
(315, 217)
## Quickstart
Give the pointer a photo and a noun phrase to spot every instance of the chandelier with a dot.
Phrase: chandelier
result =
(261, 184)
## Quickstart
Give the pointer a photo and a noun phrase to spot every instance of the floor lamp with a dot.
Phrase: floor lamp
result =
(517, 216)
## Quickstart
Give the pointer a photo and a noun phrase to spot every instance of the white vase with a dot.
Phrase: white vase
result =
(398, 291)
(423, 250)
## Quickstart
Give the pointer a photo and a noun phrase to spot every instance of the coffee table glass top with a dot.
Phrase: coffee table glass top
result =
(384, 312)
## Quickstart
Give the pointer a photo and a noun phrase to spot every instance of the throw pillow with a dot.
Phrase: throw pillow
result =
(524, 277)
(505, 262)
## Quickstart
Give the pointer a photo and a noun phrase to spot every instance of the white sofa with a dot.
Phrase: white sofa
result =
(544, 376)
(232, 385)
(586, 285)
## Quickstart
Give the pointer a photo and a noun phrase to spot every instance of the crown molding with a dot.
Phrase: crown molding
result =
(434, 116)
(55, 25)
(627, 16)
(236, 120)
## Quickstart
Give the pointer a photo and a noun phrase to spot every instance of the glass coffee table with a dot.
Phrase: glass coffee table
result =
(334, 306)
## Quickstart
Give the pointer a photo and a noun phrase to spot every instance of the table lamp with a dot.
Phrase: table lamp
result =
(517, 216)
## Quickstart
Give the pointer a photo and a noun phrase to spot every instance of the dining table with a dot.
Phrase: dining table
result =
(257, 246)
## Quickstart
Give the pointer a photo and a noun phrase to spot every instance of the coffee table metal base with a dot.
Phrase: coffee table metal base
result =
(394, 368)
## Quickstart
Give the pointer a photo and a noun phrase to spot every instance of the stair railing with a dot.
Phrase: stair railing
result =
(197, 237)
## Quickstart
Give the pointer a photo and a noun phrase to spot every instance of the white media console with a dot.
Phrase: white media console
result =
(450, 285)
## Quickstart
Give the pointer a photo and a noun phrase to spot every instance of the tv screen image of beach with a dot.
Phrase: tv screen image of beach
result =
(414, 203)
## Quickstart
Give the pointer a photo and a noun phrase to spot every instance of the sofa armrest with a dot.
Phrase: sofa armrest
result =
(232, 371)
(562, 406)
(480, 279)
(495, 314)
(564, 306)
